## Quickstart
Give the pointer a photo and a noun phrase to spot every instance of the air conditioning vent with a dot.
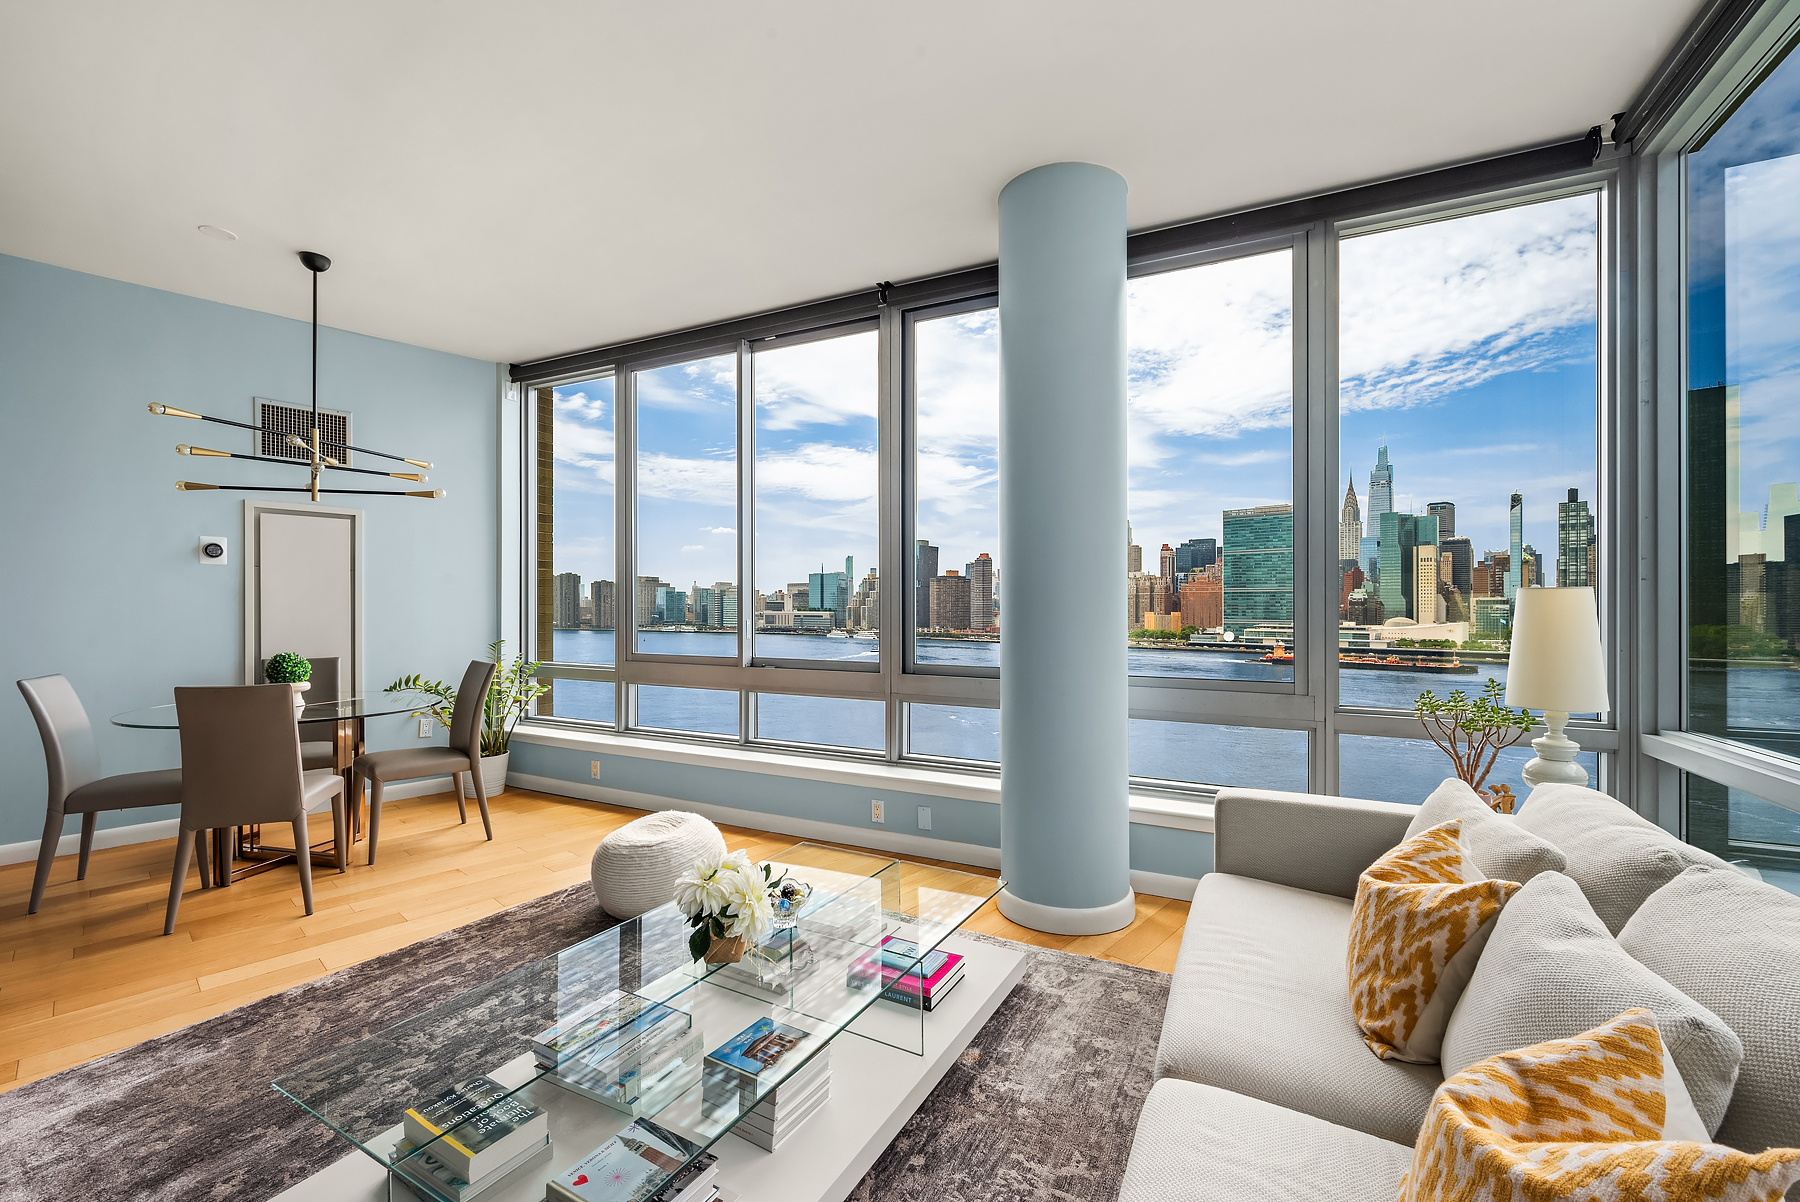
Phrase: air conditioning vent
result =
(278, 421)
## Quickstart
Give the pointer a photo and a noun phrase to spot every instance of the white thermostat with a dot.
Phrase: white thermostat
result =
(212, 548)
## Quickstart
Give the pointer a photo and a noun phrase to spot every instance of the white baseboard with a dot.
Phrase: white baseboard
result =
(1155, 883)
(150, 832)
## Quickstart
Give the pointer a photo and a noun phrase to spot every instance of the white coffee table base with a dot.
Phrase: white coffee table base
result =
(874, 1090)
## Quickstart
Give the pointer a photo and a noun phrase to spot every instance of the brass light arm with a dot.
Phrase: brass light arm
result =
(191, 486)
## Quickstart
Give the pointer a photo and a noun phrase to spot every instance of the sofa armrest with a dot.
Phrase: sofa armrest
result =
(1305, 840)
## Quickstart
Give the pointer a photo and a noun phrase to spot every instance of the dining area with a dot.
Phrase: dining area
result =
(257, 762)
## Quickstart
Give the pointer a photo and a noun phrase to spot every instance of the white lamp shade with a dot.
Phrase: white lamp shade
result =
(1556, 662)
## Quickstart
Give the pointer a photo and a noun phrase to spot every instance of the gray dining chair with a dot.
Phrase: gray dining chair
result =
(72, 761)
(316, 752)
(462, 755)
(240, 766)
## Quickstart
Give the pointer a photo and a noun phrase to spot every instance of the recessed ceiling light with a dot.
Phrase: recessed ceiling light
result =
(223, 235)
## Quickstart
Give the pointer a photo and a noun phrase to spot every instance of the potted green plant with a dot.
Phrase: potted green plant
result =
(1473, 731)
(510, 695)
(294, 671)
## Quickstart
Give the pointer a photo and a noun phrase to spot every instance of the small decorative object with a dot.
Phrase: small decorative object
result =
(1501, 798)
(787, 897)
(511, 694)
(1556, 665)
(1473, 731)
(318, 452)
(284, 667)
(727, 902)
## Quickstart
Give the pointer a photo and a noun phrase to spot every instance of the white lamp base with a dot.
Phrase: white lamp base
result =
(1555, 763)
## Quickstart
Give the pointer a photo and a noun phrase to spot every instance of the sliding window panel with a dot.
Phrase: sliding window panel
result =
(1202, 753)
(689, 711)
(584, 607)
(1407, 770)
(1209, 579)
(956, 554)
(1743, 426)
(1742, 826)
(686, 476)
(829, 722)
(1469, 409)
(818, 539)
(954, 732)
(583, 700)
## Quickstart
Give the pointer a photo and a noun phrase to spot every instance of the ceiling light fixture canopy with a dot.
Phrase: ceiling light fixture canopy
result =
(318, 460)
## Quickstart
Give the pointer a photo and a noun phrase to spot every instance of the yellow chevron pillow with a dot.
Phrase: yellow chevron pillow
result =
(1423, 913)
(1594, 1117)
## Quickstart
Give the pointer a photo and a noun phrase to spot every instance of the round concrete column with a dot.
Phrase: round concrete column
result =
(1065, 818)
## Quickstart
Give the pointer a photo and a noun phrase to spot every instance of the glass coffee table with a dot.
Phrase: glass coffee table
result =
(813, 977)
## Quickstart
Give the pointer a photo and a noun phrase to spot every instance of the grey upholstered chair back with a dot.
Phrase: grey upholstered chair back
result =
(240, 756)
(70, 754)
(471, 701)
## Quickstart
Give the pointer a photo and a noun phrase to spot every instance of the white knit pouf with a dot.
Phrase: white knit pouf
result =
(636, 867)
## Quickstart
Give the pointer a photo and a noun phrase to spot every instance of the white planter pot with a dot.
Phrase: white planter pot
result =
(493, 776)
(300, 687)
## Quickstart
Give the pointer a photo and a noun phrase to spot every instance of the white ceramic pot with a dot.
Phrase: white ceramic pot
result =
(493, 776)
(300, 687)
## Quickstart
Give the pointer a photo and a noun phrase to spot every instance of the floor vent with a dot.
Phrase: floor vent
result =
(278, 421)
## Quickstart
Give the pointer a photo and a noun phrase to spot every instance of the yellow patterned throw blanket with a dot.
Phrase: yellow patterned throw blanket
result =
(1589, 1118)
(1423, 913)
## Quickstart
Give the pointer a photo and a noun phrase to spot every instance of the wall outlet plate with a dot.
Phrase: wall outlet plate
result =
(877, 811)
(213, 550)
(594, 769)
(425, 728)
(924, 818)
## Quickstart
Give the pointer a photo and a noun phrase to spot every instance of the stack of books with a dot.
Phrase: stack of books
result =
(624, 1051)
(469, 1137)
(897, 969)
(737, 1071)
(828, 921)
(643, 1163)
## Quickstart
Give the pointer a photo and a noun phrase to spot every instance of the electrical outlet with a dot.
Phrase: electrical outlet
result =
(594, 769)
(877, 811)
(924, 818)
(424, 728)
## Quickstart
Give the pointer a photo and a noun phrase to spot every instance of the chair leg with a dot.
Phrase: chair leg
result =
(481, 796)
(340, 832)
(462, 810)
(53, 823)
(184, 847)
(203, 853)
(88, 821)
(374, 816)
(304, 860)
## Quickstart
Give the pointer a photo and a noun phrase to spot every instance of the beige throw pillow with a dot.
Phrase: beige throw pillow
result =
(1421, 916)
(1501, 849)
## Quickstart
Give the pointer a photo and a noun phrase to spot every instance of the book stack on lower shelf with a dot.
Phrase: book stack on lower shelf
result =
(624, 1051)
(646, 1162)
(469, 1137)
(736, 1073)
(904, 976)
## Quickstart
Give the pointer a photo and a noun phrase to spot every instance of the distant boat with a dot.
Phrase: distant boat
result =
(838, 634)
(1390, 663)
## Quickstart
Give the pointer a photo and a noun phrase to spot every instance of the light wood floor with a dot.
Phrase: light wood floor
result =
(91, 971)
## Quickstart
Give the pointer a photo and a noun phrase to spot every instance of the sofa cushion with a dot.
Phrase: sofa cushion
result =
(1617, 857)
(1260, 1005)
(1551, 969)
(1421, 916)
(1195, 1143)
(1502, 849)
(1733, 945)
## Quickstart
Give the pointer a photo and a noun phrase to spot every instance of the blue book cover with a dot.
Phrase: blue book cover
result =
(761, 1045)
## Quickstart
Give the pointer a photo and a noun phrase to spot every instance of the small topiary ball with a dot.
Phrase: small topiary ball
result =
(284, 667)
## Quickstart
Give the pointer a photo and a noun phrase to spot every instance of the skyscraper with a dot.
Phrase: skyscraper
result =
(925, 557)
(950, 601)
(829, 590)
(1462, 565)
(981, 592)
(1165, 564)
(567, 614)
(1425, 582)
(1258, 555)
(1381, 488)
(1574, 542)
(1350, 527)
(1140, 598)
(1196, 555)
(605, 604)
(1202, 603)
(1515, 521)
(647, 587)
(1401, 536)
(1445, 513)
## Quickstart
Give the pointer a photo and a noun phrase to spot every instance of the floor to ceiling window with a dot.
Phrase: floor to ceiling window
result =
(583, 602)
(1743, 457)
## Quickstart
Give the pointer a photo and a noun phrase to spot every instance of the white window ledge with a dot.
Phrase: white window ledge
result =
(1146, 809)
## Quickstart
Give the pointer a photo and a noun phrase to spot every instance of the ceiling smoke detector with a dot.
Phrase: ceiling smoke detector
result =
(223, 235)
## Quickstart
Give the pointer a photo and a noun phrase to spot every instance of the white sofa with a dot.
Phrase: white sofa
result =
(1264, 1088)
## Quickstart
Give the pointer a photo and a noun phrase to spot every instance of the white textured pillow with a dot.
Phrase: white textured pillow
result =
(1550, 967)
(1499, 847)
(1617, 857)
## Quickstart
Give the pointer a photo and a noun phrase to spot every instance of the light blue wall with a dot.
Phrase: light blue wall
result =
(100, 580)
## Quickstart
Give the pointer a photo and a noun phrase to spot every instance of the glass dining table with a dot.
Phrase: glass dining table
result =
(342, 722)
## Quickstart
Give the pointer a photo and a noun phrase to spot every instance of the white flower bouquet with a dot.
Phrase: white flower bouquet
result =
(727, 903)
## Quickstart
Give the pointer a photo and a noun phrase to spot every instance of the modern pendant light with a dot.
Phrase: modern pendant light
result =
(318, 459)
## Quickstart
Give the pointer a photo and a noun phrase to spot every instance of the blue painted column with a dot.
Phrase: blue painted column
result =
(1065, 817)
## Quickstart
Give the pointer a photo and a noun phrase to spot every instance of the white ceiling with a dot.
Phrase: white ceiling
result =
(514, 180)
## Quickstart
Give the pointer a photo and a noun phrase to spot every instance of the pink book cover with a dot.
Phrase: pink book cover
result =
(897, 957)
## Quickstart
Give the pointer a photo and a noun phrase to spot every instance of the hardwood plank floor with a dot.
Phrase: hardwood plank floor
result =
(91, 971)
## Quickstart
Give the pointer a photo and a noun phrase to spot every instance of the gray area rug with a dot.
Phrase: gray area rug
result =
(1041, 1106)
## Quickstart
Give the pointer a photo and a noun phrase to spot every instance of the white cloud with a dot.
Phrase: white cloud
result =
(717, 530)
(675, 477)
(819, 471)
(702, 386)
(694, 547)
(829, 382)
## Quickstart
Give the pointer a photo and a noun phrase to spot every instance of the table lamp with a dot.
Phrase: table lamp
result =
(1556, 666)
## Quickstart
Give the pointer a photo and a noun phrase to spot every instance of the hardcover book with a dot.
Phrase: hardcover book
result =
(431, 1171)
(602, 1017)
(482, 1125)
(632, 1166)
(897, 965)
(759, 1048)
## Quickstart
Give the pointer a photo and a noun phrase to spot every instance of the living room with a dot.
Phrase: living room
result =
(465, 748)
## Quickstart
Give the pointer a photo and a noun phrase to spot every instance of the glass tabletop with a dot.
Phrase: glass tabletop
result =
(162, 717)
(639, 1024)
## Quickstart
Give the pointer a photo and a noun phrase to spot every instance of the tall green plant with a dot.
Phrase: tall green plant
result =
(514, 688)
(1473, 731)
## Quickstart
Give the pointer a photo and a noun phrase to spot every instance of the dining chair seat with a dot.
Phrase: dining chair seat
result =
(410, 763)
(128, 790)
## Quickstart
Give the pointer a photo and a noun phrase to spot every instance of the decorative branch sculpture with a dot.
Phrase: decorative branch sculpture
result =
(1473, 731)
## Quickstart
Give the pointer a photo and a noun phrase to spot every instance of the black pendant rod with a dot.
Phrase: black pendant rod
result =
(191, 486)
(171, 411)
(315, 363)
(207, 453)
